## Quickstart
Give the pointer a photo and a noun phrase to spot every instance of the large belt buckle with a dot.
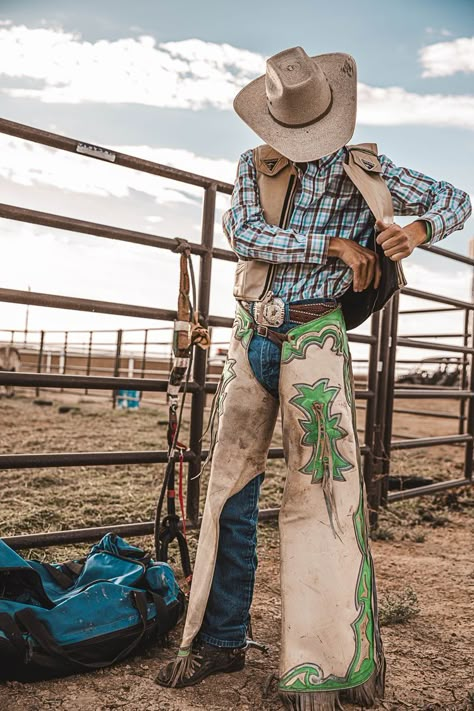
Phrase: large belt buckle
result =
(270, 312)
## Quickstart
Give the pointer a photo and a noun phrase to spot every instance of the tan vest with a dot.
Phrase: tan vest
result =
(277, 182)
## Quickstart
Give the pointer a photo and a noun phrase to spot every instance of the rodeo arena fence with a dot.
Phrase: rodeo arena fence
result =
(380, 393)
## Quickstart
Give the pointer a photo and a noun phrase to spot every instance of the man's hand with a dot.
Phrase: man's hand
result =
(399, 242)
(363, 262)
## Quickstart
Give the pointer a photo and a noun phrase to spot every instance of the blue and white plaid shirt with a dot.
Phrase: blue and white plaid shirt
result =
(327, 204)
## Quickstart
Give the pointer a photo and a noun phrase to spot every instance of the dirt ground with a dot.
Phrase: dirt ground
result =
(423, 551)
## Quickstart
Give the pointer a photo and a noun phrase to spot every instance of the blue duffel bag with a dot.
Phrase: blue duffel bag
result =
(86, 614)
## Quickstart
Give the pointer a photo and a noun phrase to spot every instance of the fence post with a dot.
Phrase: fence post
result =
(89, 358)
(118, 351)
(200, 356)
(370, 410)
(464, 373)
(64, 363)
(145, 344)
(375, 491)
(40, 359)
(469, 451)
(389, 397)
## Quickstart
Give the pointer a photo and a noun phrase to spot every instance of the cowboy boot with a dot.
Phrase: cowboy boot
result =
(206, 659)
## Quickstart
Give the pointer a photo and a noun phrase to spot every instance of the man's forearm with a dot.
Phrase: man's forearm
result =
(417, 231)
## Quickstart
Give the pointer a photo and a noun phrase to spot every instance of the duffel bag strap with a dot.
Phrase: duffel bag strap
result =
(43, 637)
(74, 566)
(62, 579)
(12, 633)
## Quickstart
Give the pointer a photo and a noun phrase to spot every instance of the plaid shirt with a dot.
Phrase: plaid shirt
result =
(327, 204)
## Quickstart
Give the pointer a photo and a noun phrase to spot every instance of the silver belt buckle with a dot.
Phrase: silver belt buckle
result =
(270, 312)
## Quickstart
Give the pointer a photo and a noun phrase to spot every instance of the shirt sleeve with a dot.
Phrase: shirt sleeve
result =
(251, 237)
(444, 207)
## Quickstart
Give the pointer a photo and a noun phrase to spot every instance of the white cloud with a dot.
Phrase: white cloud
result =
(394, 106)
(31, 164)
(190, 74)
(446, 58)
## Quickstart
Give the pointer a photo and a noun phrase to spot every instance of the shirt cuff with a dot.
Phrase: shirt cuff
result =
(317, 247)
(435, 227)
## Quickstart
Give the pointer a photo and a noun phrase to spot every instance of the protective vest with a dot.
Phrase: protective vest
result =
(276, 179)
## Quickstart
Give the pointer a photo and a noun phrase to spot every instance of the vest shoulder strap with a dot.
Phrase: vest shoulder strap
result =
(268, 161)
(364, 169)
(365, 155)
(276, 179)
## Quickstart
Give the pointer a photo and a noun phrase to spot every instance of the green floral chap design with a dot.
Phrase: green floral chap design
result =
(243, 326)
(321, 429)
(328, 326)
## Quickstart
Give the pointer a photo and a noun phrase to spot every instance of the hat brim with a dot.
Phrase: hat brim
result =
(319, 139)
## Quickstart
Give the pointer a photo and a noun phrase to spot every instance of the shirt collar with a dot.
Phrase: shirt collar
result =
(323, 163)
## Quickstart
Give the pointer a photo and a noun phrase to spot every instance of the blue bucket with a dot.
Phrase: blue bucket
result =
(128, 399)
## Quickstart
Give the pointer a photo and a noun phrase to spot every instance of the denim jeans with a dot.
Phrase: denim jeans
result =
(227, 613)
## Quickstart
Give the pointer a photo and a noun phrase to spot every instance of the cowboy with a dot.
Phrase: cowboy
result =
(289, 353)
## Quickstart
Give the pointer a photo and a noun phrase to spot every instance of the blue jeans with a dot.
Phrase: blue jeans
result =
(227, 613)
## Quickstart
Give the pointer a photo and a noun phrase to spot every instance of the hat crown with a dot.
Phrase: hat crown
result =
(297, 89)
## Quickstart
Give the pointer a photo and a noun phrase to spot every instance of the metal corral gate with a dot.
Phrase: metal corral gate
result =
(380, 393)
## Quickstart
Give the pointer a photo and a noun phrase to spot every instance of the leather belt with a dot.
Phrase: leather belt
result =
(300, 313)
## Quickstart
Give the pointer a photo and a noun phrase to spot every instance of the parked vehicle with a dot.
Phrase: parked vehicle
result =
(448, 374)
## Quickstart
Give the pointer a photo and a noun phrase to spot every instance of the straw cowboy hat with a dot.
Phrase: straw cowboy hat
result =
(304, 107)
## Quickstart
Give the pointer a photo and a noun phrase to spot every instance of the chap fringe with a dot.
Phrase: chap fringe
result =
(312, 701)
(367, 693)
(183, 664)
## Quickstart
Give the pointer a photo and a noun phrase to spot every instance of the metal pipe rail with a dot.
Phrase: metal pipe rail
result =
(433, 249)
(84, 535)
(97, 382)
(71, 224)
(434, 488)
(55, 140)
(428, 311)
(432, 335)
(438, 297)
(433, 345)
(93, 382)
(430, 441)
(435, 392)
(428, 413)
(82, 459)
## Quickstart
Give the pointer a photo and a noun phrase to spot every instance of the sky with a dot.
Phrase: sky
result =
(157, 80)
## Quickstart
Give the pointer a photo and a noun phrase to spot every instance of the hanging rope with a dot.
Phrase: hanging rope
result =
(188, 332)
